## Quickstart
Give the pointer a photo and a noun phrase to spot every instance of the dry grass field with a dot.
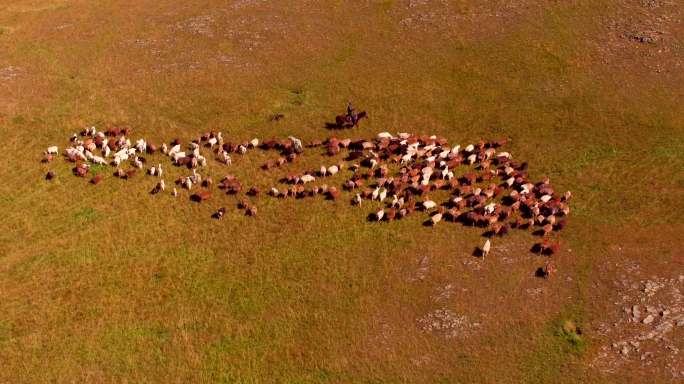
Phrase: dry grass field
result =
(108, 283)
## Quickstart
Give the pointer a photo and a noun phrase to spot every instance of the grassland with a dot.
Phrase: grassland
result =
(110, 284)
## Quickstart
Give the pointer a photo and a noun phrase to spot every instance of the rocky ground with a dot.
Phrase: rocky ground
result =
(647, 325)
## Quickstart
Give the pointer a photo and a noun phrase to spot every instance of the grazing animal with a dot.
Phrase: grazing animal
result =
(382, 195)
(53, 150)
(137, 163)
(160, 187)
(486, 248)
(429, 204)
(174, 193)
(547, 270)
(357, 200)
(50, 175)
(219, 213)
(436, 218)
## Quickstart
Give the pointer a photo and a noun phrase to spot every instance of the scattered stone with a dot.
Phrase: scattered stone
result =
(445, 323)
(648, 319)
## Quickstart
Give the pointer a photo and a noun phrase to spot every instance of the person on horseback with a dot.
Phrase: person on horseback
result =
(351, 116)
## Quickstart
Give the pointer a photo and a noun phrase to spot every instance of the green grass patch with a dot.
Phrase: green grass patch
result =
(6, 329)
(85, 215)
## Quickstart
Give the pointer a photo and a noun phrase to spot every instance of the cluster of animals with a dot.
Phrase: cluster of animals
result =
(479, 185)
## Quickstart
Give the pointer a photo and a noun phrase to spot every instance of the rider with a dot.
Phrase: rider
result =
(351, 116)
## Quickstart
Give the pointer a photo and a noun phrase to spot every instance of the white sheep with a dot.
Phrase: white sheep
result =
(141, 146)
(202, 161)
(445, 172)
(385, 135)
(99, 160)
(123, 154)
(469, 148)
(75, 153)
(333, 169)
(382, 195)
(376, 192)
(436, 218)
(306, 179)
(53, 150)
(323, 171)
(429, 204)
(485, 248)
(406, 158)
(254, 142)
(175, 149)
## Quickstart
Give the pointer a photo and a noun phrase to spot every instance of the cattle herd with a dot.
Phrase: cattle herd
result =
(479, 185)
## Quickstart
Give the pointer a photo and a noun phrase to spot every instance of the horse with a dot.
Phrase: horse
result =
(346, 121)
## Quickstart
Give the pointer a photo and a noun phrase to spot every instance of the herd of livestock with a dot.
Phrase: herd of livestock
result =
(481, 185)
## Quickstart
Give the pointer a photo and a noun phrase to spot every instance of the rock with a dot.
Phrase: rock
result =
(680, 323)
(625, 350)
(648, 319)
